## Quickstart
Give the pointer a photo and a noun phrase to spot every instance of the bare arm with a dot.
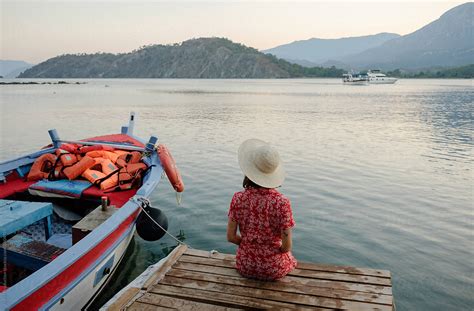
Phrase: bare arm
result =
(286, 242)
(232, 235)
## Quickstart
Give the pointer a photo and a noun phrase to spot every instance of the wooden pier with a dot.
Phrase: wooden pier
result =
(190, 279)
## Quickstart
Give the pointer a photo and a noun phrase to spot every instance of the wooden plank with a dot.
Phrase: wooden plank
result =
(297, 299)
(122, 301)
(180, 303)
(285, 287)
(227, 299)
(376, 289)
(343, 269)
(232, 272)
(91, 221)
(138, 306)
(170, 260)
(297, 272)
(208, 254)
(301, 265)
(341, 277)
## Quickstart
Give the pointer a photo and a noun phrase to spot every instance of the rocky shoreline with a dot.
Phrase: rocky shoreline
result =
(39, 83)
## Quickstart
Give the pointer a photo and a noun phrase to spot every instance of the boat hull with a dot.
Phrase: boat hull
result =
(383, 81)
(86, 267)
(88, 288)
(356, 82)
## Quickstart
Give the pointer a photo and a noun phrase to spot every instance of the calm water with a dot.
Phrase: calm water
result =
(379, 176)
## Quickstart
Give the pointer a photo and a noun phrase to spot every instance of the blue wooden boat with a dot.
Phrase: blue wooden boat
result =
(62, 245)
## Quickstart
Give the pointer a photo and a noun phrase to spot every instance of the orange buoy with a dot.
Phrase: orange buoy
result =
(171, 170)
(41, 167)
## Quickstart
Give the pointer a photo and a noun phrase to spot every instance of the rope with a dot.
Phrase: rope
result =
(146, 202)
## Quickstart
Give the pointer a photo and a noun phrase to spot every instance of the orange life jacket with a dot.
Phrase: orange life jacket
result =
(74, 171)
(131, 157)
(123, 178)
(103, 154)
(86, 149)
(68, 159)
(120, 152)
(131, 175)
(57, 172)
(41, 167)
(71, 148)
(92, 175)
(110, 179)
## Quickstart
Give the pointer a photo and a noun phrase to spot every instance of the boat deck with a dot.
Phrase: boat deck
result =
(190, 279)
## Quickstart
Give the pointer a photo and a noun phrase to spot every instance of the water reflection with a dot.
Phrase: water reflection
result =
(378, 176)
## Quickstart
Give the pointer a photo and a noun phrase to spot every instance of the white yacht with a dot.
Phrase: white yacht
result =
(355, 79)
(376, 77)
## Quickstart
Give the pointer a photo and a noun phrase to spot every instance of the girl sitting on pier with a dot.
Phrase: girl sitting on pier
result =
(262, 215)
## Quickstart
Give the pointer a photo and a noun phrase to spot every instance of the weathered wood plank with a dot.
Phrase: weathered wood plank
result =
(122, 301)
(285, 287)
(297, 272)
(297, 299)
(376, 289)
(301, 265)
(341, 277)
(171, 259)
(207, 254)
(139, 306)
(232, 272)
(180, 303)
(227, 299)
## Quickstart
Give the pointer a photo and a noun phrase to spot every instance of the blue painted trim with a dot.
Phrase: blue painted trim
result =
(48, 227)
(100, 274)
(9, 165)
(150, 145)
(23, 170)
(53, 134)
(152, 179)
(117, 145)
(138, 138)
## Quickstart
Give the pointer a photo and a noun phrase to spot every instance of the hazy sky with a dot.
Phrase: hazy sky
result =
(36, 30)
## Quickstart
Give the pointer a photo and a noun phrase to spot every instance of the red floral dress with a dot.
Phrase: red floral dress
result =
(261, 215)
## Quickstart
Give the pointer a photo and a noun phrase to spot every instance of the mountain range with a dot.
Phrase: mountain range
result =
(318, 51)
(445, 42)
(12, 68)
(216, 58)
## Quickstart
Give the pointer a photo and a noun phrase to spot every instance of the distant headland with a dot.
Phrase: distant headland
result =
(211, 58)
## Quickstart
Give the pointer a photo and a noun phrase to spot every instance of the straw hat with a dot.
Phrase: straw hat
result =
(261, 163)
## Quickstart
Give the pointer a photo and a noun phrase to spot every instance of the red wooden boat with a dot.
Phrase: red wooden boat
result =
(63, 239)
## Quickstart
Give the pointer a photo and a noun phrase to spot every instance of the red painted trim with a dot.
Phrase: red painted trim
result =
(54, 286)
